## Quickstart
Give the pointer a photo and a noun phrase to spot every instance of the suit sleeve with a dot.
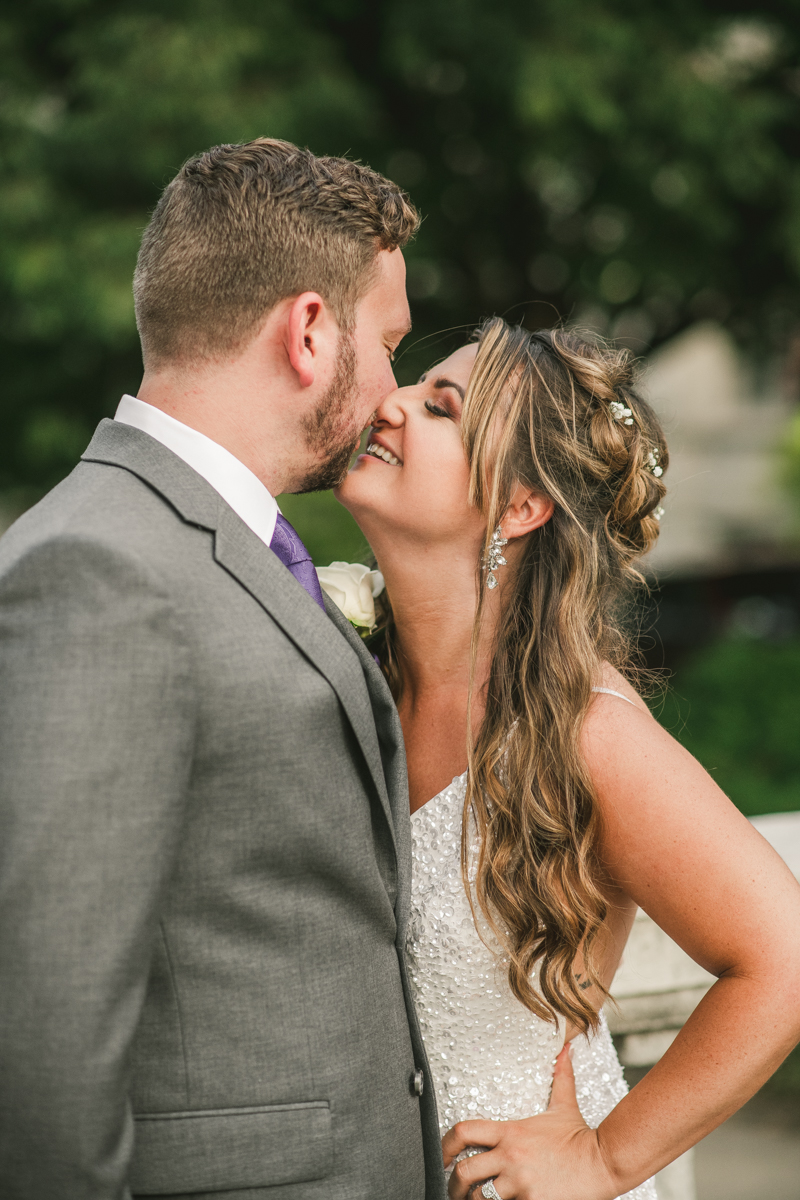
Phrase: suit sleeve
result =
(96, 732)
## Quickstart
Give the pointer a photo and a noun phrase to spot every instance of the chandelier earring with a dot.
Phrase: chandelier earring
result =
(494, 557)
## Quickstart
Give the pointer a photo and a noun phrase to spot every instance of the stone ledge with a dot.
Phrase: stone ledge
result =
(652, 1011)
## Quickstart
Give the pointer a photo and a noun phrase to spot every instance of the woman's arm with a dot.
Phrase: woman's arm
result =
(678, 847)
(675, 845)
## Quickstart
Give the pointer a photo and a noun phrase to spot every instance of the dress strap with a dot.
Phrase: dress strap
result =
(611, 692)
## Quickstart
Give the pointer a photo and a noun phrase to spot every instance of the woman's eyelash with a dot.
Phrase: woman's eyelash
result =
(436, 409)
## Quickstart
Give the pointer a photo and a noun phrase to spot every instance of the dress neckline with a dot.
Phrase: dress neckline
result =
(455, 780)
(460, 778)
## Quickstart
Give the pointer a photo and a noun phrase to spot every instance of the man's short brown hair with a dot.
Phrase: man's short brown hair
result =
(242, 227)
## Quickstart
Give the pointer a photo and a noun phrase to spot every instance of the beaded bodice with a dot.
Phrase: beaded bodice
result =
(489, 1055)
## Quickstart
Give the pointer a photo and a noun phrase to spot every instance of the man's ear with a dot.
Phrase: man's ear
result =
(527, 511)
(311, 335)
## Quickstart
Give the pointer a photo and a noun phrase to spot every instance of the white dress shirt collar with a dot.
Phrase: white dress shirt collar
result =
(236, 483)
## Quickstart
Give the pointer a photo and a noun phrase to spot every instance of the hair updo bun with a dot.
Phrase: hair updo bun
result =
(626, 437)
(561, 415)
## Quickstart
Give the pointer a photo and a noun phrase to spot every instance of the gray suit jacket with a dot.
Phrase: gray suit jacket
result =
(205, 862)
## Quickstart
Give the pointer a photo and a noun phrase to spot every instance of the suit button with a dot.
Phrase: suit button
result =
(418, 1083)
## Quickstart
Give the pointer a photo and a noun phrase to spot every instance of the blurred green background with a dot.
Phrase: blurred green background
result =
(735, 705)
(632, 167)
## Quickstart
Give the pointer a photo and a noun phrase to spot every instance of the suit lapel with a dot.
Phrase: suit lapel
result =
(393, 755)
(302, 620)
(387, 721)
(244, 556)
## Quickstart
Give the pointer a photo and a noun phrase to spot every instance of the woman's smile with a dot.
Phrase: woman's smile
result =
(417, 431)
(378, 449)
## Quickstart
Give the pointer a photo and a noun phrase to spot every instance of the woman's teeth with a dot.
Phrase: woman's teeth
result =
(381, 452)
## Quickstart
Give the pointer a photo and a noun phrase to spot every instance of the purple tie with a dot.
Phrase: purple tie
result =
(290, 550)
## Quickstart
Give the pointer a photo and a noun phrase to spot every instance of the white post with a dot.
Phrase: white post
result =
(676, 1182)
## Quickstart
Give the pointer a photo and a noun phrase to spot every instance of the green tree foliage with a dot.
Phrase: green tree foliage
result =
(633, 165)
(790, 457)
(736, 707)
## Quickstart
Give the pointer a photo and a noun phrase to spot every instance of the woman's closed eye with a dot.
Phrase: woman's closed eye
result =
(436, 410)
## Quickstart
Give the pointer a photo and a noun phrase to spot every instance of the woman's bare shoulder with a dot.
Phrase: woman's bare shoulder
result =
(612, 685)
(620, 737)
(670, 838)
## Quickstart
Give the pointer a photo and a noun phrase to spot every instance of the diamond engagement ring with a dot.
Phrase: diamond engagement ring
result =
(489, 1191)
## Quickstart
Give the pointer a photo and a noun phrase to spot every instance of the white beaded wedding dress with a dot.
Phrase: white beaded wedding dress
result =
(489, 1055)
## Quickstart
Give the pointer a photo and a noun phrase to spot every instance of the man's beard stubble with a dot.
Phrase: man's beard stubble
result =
(330, 431)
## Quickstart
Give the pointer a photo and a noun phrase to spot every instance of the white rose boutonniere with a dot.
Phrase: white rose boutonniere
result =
(353, 588)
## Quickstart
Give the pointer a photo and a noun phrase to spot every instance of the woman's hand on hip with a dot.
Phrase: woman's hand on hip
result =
(553, 1156)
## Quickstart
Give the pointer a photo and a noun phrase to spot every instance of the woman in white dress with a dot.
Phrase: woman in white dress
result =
(507, 497)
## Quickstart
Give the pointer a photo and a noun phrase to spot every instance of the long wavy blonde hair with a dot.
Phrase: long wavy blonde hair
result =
(546, 410)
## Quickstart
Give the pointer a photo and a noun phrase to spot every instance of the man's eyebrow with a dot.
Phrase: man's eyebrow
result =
(397, 335)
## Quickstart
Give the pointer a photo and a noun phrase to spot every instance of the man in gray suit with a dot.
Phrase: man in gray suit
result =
(204, 868)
